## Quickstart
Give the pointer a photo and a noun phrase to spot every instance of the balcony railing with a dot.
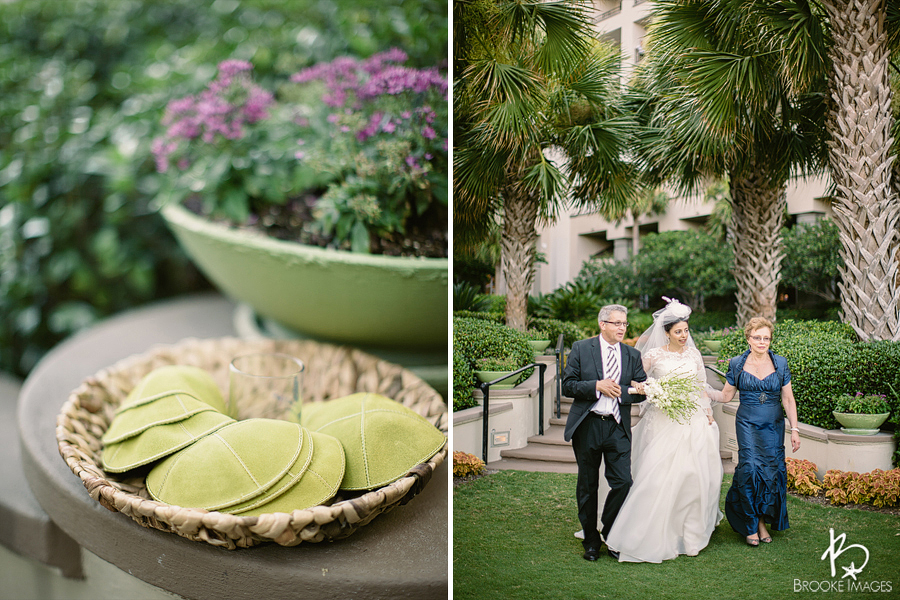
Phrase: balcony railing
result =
(609, 13)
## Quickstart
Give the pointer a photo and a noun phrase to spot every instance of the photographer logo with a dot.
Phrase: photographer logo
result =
(851, 559)
(833, 552)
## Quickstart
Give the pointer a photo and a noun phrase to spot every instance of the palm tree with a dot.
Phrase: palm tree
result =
(713, 104)
(866, 200)
(856, 39)
(537, 124)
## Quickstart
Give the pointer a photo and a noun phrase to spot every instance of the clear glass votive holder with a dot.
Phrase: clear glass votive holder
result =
(264, 385)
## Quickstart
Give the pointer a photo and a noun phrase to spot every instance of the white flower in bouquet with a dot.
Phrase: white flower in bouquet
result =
(674, 395)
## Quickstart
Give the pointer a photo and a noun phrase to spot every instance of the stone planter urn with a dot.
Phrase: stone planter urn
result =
(860, 424)
(713, 345)
(538, 345)
(342, 297)
(488, 376)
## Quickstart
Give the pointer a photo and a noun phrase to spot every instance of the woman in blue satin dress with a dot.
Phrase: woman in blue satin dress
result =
(758, 493)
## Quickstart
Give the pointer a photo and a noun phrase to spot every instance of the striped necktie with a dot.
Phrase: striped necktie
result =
(614, 372)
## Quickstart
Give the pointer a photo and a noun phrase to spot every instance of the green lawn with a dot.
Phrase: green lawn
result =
(513, 538)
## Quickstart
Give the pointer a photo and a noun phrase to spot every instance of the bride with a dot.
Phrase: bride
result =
(673, 505)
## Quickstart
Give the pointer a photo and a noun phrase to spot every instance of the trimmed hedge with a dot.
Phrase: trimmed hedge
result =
(495, 317)
(479, 338)
(553, 327)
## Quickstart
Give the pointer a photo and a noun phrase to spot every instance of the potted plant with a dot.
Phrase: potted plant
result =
(322, 202)
(538, 340)
(713, 339)
(861, 414)
(489, 368)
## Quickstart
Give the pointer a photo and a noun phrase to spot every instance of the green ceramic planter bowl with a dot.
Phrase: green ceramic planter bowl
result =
(860, 424)
(342, 297)
(713, 345)
(488, 376)
(538, 345)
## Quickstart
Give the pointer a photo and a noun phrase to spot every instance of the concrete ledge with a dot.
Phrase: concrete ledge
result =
(476, 413)
(24, 526)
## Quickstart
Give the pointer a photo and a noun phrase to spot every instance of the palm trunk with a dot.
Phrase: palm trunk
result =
(865, 204)
(757, 217)
(517, 252)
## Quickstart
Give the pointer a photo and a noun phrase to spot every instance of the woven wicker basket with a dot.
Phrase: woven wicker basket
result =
(331, 372)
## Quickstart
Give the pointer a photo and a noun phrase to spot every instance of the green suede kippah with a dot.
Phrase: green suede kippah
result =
(382, 439)
(169, 407)
(193, 380)
(316, 484)
(233, 465)
(159, 441)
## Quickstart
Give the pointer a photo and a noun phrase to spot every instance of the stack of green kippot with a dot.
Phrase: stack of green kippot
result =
(252, 467)
(175, 417)
(170, 408)
(204, 459)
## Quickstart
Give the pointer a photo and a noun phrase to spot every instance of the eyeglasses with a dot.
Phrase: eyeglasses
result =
(759, 338)
(617, 323)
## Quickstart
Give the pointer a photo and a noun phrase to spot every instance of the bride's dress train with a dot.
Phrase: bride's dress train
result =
(673, 505)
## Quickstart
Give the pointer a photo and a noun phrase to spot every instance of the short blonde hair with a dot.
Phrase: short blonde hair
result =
(757, 323)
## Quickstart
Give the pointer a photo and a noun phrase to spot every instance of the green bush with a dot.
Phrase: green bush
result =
(494, 317)
(463, 383)
(496, 303)
(553, 327)
(713, 320)
(82, 85)
(480, 338)
(638, 323)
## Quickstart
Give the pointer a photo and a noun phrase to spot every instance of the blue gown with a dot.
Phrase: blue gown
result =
(759, 487)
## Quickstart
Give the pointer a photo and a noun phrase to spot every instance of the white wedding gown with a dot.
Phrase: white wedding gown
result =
(673, 505)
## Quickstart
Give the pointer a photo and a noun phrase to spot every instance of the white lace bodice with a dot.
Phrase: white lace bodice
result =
(659, 362)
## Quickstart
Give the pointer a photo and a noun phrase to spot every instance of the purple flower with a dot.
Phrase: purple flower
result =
(371, 128)
(428, 133)
(232, 67)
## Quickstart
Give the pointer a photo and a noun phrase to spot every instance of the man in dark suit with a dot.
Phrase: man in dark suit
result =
(598, 373)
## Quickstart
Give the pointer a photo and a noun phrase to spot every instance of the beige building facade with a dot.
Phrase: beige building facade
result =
(578, 236)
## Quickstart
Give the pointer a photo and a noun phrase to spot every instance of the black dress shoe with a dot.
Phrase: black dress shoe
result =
(612, 553)
(591, 554)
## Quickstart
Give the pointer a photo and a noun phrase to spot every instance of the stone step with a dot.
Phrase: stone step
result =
(542, 452)
(541, 466)
(553, 436)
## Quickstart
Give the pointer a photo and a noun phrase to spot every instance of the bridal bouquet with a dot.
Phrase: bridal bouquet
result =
(672, 394)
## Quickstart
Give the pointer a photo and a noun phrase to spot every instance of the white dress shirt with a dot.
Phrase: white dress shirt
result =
(604, 404)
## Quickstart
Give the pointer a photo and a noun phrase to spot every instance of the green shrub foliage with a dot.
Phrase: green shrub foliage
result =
(554, 327)
(480, 338)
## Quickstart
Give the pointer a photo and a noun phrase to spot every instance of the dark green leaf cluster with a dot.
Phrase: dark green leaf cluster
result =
(860, 404)
(494, 317)
(467, 297)
(480, 338)
(554, 327)
(813, 259)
